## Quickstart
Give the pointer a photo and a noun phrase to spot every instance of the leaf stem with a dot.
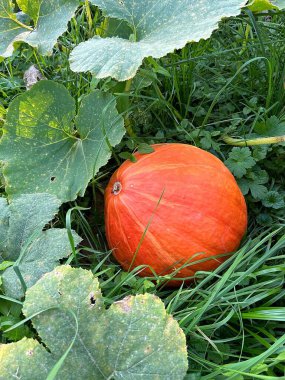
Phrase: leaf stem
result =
(22, 25)
(22, 281)
(251, 142)
(89, 16)
(128, 125)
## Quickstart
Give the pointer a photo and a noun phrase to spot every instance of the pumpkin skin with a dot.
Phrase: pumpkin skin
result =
(179, 204)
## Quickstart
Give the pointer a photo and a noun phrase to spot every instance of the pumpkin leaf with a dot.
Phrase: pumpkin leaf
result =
(158, 27)
(50, 18)
(39, 126)
(10, 28)
(33, 251)
(134, 339)
(51, 23)
(30, 7)
(279, 3)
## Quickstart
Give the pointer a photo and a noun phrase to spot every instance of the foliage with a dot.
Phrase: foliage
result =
(39, 124)
(148, 33)
(49, 23)
(230, 85)
(133, 338)
(239, 161)
(28, 251)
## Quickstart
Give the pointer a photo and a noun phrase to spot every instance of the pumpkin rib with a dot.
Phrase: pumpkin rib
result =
(122, 227)
(168, 204)
(210, 216)
(159, 248)
(159, 148)
(143, 228)
(165, 167)
(197, 242)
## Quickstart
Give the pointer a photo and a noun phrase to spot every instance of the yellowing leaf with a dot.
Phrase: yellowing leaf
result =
(132, 340)
(261, 5)
(40, 128)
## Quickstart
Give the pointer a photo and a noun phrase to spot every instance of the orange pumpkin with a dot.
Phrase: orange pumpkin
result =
(178, 205)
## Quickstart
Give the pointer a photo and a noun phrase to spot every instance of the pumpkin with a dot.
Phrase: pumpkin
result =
(177, 206)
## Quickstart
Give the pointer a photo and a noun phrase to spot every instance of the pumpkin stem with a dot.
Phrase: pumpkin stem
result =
(117, 187)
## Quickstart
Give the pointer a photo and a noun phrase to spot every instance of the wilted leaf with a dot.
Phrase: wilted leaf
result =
(157, 27)
(39, 129)
(133, 339)
(35, 251)
(32, 76)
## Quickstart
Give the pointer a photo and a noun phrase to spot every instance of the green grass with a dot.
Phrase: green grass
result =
(231, 84)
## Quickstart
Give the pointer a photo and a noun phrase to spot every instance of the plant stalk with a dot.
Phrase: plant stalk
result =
(89, 16)
(128, 125)
(251, 142)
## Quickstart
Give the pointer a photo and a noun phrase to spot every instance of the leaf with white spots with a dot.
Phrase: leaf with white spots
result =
(27, 350)
(34, 251)
(134, 339)
(50, 19)
(10, 28)
(157, 28)
(52, 22)
(30, 7)
(43, 151)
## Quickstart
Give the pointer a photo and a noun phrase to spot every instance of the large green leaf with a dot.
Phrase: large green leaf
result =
(50, 19)
(39, 128)
(30, 7)
(158, 27)
(52, 22)
(10, 28)
(134, 339)
(35, 251)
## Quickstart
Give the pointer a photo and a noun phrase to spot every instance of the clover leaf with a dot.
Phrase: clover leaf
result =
(23, 241)
(135, 338)
(240, 159)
